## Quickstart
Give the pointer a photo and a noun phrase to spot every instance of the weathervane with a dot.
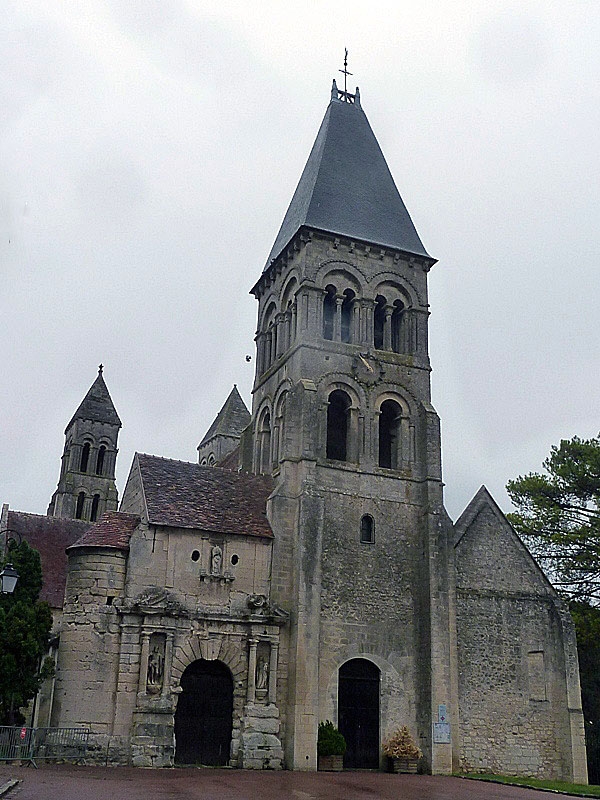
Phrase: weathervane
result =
(345, 71)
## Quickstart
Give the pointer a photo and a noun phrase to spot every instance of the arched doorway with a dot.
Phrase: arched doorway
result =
(203, 719)
(358, 713)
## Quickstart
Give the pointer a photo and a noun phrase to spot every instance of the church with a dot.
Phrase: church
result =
(305, 568)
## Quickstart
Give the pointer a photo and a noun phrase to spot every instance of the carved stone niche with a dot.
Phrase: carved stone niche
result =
(261, 679)
(216, 571)
(155, 673)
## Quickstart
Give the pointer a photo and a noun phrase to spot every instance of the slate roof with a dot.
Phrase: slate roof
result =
(184, 495)
(113, 529)
(50, 536)
(97, 405)
(347, 187)
(231, 419)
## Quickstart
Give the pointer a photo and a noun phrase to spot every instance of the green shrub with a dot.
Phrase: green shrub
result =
(330, 741)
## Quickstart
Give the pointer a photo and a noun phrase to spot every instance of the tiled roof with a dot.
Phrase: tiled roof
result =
(97, 405)
(231, 419)
(184, 495)
(50, 536)
(113, 529)
(347, 188)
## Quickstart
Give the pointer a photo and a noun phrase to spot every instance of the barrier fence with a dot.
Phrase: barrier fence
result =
(43, 744)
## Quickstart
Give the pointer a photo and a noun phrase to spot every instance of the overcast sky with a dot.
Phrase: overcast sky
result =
(149, 150)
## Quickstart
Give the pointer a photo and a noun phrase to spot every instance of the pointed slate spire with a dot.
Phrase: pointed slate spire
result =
(346, 187)
(231, 419)
(97, 405)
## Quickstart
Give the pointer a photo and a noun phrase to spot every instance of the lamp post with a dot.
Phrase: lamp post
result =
(8, 577)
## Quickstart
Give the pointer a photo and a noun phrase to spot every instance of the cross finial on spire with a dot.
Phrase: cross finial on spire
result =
(100, 368)
(345, 71)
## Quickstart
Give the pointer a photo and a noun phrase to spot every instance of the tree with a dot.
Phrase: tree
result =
(558, 517)
(25, 624)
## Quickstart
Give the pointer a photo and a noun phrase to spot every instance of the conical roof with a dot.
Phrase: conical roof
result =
(97, 405)
(231, 419)
(347, 188)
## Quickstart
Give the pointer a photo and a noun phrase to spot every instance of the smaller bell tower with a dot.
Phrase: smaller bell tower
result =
(86, 485)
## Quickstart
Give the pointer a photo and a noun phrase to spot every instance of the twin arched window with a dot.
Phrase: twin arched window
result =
(338, 314)
(338, 430)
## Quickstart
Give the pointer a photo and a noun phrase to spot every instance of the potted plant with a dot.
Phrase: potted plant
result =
(402, 752)
(331, 747)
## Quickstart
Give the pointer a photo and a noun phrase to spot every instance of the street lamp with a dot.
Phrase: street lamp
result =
(9, 577)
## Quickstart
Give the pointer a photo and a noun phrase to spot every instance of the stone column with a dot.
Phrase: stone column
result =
(273, 673)
(251, 697)
(166, 686)
(144, 663)
(387, 328)
(337, 320)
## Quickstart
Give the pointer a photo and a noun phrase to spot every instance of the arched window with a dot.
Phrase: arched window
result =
(264, 444)
(329, 311)
(85, 457)
(397, 325)
(347, 309)
(100, 460)
(367, 530)
(94, 512)
(79, 507)
(379, 322)
(211, 460)
(338, 423)
(203, 462)
(389, 434)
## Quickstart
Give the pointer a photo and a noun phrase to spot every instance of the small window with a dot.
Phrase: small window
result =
(234, 559)
(85, 457)
(95, 503)
(79, 508)
(367, 530)
(195, 555)
(100, 460)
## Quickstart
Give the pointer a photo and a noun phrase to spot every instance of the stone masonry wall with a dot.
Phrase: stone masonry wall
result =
(511, 665)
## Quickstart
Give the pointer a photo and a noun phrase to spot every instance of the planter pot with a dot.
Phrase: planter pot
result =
(406, 765)
(331, 763)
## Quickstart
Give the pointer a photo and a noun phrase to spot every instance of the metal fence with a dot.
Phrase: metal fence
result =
(43, 744)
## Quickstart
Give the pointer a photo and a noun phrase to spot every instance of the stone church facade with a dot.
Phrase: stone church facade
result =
(313, 572)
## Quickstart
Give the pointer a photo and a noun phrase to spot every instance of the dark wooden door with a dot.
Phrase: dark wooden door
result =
(358, 713)
(203, 718)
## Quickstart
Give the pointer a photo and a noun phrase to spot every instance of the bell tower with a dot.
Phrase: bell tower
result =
(342, 419)
(86, 485)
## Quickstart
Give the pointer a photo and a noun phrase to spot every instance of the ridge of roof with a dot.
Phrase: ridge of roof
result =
(231, 419)
(182, 494)
(346, 187)
(113, 529)
(97, 405)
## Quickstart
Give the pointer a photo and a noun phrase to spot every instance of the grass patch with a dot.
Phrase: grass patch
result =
(552, 786)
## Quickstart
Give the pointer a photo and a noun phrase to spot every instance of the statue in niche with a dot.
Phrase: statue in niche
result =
(262, 673)
(156, 664)
(216, 560)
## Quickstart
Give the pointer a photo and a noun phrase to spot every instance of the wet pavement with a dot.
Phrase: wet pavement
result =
(69, 782)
